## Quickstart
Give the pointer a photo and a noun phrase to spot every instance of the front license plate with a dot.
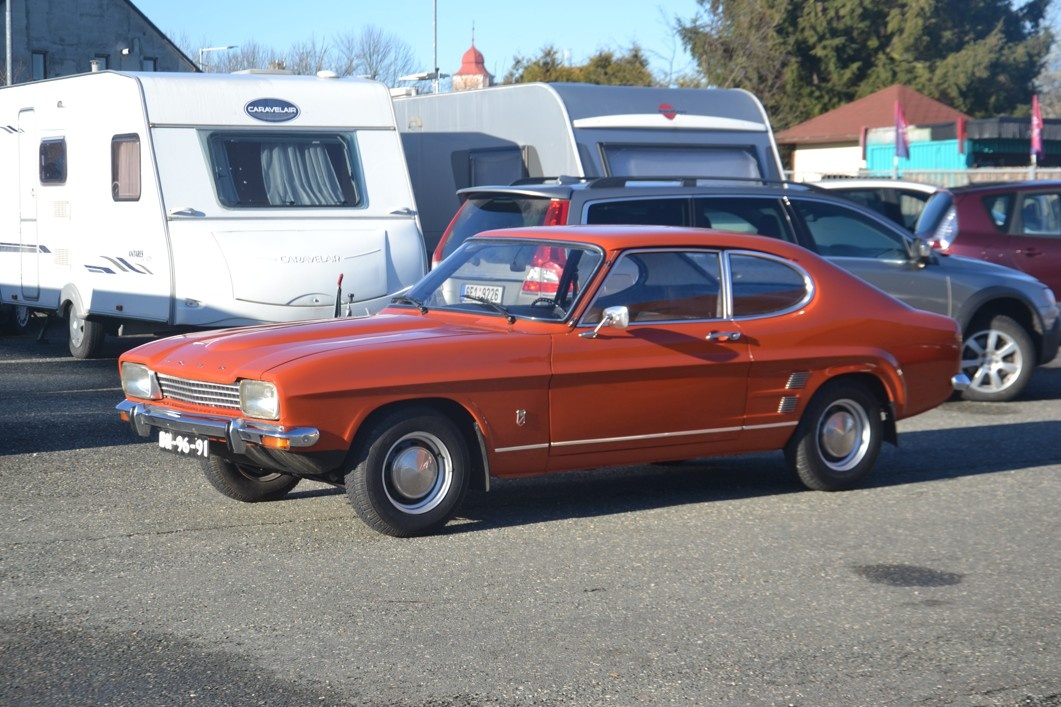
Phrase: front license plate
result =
(487, 292)
(184, 444)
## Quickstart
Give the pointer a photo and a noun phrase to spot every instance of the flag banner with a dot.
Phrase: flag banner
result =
(902, 147)
(1037, 130)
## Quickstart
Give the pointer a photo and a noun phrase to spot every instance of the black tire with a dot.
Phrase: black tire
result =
(86, 336)
(838, 438)
(22, 318)
(999, 358)
(247, 483)
(409, 475)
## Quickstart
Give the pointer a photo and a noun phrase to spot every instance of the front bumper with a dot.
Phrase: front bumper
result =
(237, 433)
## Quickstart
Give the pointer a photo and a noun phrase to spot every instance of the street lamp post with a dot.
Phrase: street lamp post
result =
(204, 50)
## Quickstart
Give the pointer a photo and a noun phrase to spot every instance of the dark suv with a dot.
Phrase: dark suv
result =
(1009, 320)
(1017, 224)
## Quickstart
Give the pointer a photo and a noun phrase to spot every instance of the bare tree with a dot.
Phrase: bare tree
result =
(309, 57)
(375, 54)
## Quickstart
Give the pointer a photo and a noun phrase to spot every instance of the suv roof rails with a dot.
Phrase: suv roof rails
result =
(562, 179)
(612, 182)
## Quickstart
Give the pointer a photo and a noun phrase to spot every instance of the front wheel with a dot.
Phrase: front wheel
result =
(86, 337)
(837, 441)
(246, 483)
(409, 474)
(998, 356)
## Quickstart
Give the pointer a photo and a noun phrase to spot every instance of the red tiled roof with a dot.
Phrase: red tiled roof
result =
(876, 110)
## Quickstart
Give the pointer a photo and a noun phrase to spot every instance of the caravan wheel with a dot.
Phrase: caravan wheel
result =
(86, 337)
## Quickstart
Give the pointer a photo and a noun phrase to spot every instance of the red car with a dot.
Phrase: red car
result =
(1016, 224)
(551, 349)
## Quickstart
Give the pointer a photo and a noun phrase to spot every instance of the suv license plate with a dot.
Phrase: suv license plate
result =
(487, 292)
(184, 444)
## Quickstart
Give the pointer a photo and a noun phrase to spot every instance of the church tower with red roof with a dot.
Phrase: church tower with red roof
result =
(473, 73)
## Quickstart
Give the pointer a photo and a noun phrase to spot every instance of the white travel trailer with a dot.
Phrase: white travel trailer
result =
(498, 135)
(148, 202)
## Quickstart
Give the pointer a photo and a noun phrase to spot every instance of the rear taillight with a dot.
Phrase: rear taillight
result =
(556, 214)
(946, 233)
(543, 277)
(440, 250)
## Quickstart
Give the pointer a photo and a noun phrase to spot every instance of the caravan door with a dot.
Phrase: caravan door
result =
(28, 181)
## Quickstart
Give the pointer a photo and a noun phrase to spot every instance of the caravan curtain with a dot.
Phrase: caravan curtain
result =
(299, 174)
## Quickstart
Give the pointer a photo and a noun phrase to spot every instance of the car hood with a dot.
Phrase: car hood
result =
(249, 352)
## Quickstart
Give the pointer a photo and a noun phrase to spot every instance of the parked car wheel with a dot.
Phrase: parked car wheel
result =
(86, 337)
(998, 356)
(837, 441)
(410, 474)
(246, 483)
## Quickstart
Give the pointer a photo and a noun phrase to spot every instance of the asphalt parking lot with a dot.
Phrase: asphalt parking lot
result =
(126, 580)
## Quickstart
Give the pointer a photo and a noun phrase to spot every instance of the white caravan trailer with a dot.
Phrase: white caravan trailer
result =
(498, 135)
(144, 202)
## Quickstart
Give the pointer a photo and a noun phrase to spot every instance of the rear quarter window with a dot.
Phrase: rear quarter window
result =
(764, 286)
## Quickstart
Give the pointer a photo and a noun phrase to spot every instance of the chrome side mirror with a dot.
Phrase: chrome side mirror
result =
(615, 317)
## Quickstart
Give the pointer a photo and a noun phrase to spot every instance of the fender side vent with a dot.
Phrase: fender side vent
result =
(788, 404)
(797, 380)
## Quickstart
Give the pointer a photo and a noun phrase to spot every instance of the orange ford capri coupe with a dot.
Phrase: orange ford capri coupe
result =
(550, 349)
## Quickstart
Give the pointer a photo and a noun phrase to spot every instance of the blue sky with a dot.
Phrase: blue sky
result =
(503, 29)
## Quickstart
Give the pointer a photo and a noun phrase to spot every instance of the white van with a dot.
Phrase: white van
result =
(148, 202)
(498, 135)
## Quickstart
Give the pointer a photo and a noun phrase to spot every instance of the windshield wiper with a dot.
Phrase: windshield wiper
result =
(493, 305)
(406, 299)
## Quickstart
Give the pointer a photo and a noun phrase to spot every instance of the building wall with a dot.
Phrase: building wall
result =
(815, 162)
(63, 37)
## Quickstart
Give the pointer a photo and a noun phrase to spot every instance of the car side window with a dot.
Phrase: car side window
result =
(1040, 215)
(661, 286)
(764, 217)
(840, 232)
(763, 286)
(673, 211)
(998, 207)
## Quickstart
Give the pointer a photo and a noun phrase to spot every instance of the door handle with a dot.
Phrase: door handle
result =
(722, 337)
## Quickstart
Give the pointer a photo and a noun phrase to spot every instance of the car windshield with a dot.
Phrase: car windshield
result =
(528, 279)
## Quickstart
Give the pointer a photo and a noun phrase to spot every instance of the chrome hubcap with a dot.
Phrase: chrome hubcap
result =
(77, 328)
(417, 473)
(843, 435)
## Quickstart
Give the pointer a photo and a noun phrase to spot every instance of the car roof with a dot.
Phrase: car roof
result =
(876, 184)
(625, 237)
(1023, 185)
(566, 187)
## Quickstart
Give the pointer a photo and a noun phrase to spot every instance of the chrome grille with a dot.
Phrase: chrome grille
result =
(218, 395)
(797, 380)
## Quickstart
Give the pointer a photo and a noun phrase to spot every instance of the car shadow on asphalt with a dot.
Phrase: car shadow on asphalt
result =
(923, 456)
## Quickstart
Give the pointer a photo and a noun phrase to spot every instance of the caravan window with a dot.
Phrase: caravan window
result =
(53, 161)
(680, 161)
(125, 167)
(289, 169)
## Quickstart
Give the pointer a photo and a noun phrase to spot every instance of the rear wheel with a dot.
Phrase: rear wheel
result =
(837, 441)
(247, 483)
(86, 336)
(22, 318)
(409, 474)
(999, 358)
